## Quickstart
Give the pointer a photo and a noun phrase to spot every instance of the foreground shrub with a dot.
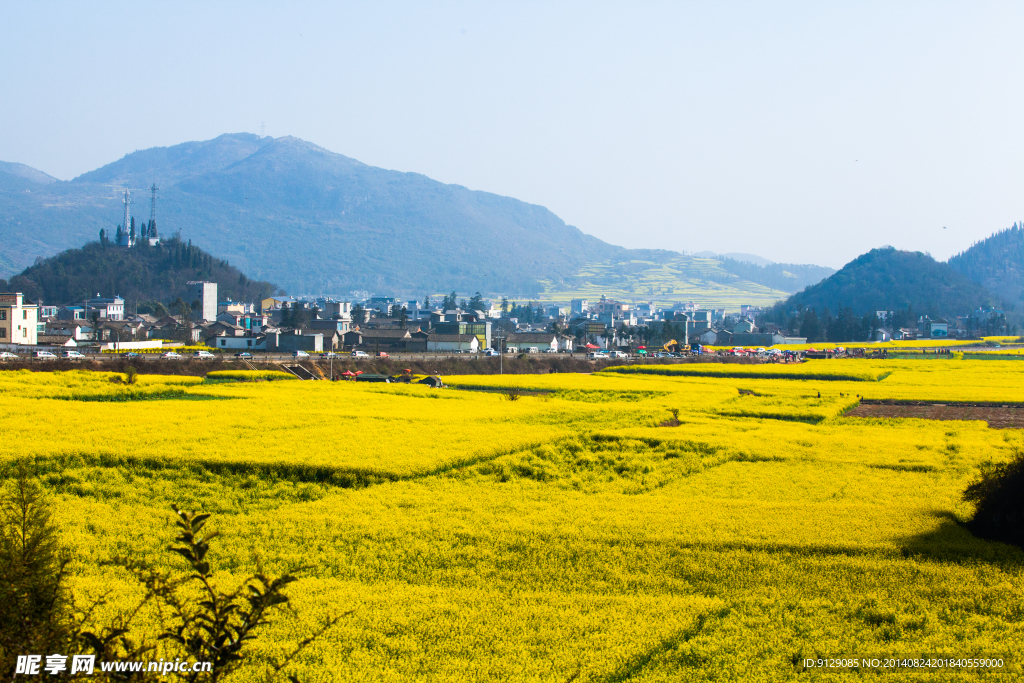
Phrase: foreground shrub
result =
(999, 498)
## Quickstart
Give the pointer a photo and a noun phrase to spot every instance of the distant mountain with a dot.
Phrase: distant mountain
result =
(997, 263)
(785, 277)
(289, 211)
(26, 172)
(736, 256)
(890, 280)
(140, 274)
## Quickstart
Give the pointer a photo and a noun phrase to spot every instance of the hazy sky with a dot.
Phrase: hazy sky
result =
(804, 132)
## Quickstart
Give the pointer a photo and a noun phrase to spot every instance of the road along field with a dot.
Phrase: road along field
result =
(564, 533)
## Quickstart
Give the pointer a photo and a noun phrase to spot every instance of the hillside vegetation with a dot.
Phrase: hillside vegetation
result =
(890, 280)
(140, 274)
(997, 263)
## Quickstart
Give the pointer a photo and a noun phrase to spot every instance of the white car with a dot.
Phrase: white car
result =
(360, 354)
(7, 355)
(74, 354)
(491, 352)
(172, 354)
(300, 354)
(550, 350)
(594, 355)
(43, 354)
(203, 354)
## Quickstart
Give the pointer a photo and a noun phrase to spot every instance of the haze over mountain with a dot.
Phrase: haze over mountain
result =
(288, 211)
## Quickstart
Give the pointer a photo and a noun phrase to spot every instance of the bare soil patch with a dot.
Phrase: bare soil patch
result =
(997, 416)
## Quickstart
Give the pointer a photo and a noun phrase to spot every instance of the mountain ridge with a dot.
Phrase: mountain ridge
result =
(289, 211)
(888, 279)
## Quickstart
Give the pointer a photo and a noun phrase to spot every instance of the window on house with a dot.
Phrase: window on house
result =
(3, 332)
(24, 333)
(24, 315)
(3, 315)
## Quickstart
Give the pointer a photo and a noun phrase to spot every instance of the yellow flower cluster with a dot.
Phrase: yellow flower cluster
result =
(615, 526)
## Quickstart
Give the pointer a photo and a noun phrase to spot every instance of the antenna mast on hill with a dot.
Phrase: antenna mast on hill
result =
(152, 204)
(127, 214)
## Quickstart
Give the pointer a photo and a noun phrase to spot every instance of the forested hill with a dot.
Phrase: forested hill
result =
(997, 263)
(890, 280)
(140, 274)
(785, 277)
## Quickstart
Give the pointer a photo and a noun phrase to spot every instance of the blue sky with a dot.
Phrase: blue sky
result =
(800, 131)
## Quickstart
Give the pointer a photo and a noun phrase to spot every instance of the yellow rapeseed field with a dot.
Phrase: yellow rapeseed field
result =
(716, 526)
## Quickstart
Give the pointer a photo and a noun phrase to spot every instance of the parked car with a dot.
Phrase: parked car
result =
(530, 349)
(203, 354)
(550, 350)
(171, 354)
(130, 354)
(618, 354)
(360, 354)
(74, 354)
(7, 355)
(596, 355)
(243, 354)
(328, 354)
(43, 354)
(383, 354)
(491, 352)
(300, 354)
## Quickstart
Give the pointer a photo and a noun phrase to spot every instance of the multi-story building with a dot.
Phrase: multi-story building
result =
(104, 308)
(206, 294)
(18, 318)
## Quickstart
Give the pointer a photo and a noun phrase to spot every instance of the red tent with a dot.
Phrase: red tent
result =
(641, 347)
(592, 346)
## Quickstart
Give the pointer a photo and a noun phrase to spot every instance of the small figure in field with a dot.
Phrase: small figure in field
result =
(819, 394)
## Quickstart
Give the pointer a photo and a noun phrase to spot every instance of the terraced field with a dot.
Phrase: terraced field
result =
(682, 279)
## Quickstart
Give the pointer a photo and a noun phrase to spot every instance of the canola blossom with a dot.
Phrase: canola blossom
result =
(615, 526)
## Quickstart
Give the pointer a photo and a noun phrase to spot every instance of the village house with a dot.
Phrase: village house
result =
(542, 341)
(463, 343)
(385, 339)
(18, 319)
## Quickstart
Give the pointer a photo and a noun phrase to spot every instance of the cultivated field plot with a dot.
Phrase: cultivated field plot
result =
(606, 527)
(997, 417)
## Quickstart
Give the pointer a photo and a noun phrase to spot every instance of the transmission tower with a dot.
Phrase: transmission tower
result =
(152, 204)
(127, 213)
